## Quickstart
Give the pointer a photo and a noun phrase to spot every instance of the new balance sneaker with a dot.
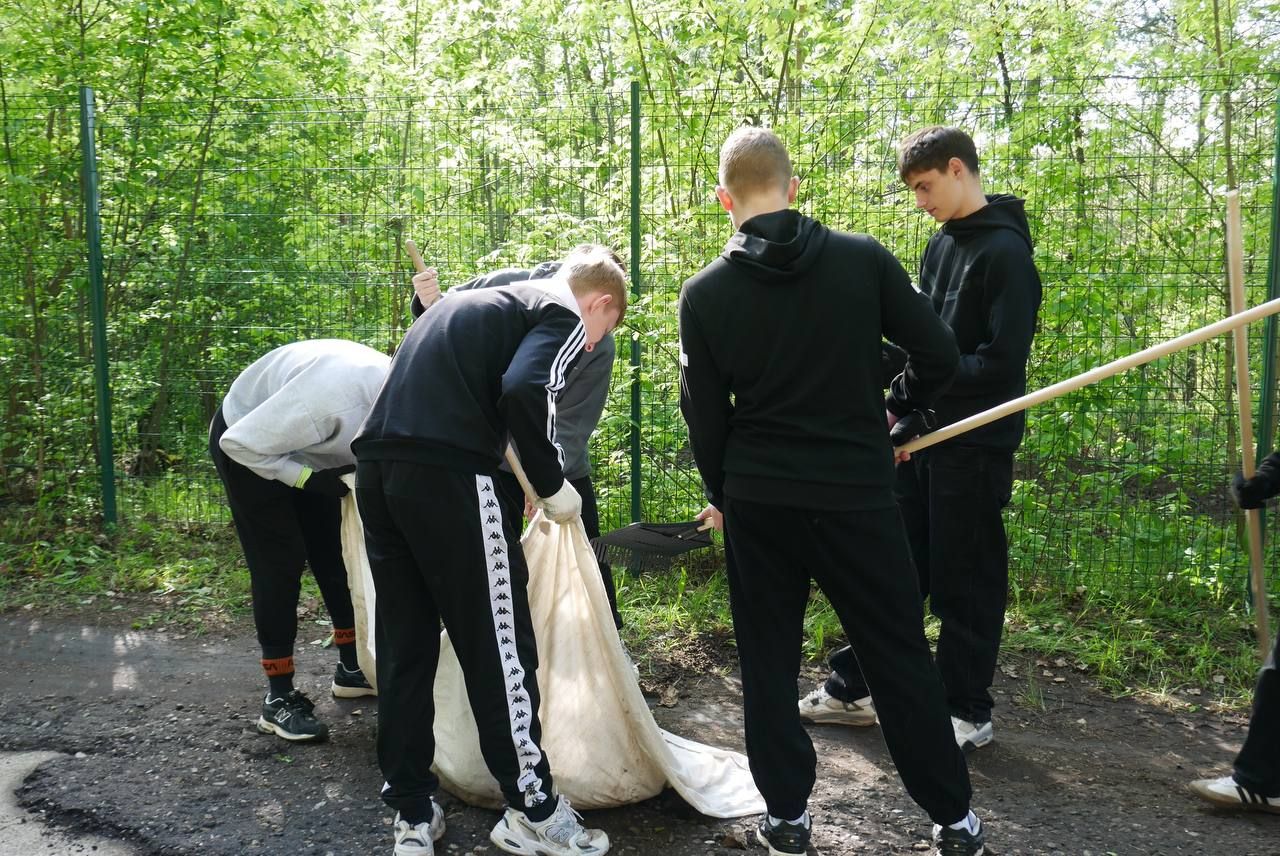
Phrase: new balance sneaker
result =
(825, 709)
(418, 839)
(291, 717)
(972, 735)
(783, 838)
(959, 842)
(562, 834)
(350, 684)
(1227, 792)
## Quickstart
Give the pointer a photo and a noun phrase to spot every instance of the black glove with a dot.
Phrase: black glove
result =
(1254, 492)
(329, 482)
(912, 425)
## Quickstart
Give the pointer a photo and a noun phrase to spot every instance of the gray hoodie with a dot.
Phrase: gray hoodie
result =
(300, 405)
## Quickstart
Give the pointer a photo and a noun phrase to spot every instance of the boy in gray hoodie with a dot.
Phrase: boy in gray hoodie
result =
(281, 441)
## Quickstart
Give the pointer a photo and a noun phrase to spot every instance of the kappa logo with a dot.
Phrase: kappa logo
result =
(504, 626)
(502, 610)
(491, 519)
(486, 488)
(495, 536)
(490, 504)
(496, 551)
(499, 566)
(500, 581)
(502, 595)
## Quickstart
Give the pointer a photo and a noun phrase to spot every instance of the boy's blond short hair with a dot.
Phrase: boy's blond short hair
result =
(591, 269)
(753, 160)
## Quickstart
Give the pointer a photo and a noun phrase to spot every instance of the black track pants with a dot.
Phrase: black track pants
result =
(1258, 764)
(442, 549)
(283, 529)
(861, 562)
(951, 501)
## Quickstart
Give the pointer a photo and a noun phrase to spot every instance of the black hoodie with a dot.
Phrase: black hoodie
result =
(780, 364)
(978, 272)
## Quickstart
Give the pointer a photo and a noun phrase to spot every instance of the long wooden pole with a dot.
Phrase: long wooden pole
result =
(1155, 352)
(1240, 336)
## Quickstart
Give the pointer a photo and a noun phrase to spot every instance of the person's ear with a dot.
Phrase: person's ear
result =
(792, 187)
(956, 167)
(726, 200)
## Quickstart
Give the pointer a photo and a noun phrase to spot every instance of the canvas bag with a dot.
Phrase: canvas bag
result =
(604, 746)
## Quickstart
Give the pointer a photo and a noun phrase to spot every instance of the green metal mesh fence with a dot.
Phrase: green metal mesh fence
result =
(263, 222)
(1121, 486)
(47, 450)
(233, 227)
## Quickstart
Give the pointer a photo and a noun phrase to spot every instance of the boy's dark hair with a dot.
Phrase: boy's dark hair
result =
(933, 148)
(753, 159)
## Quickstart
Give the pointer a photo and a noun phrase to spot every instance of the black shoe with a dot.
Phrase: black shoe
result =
(291, 717)
(350, 684)
(959, 842)
(782, 838)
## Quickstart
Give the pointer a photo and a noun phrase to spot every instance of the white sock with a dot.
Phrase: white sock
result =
(970, 824)
(802, 820)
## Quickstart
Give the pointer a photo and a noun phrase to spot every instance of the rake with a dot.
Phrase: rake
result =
(651, 546)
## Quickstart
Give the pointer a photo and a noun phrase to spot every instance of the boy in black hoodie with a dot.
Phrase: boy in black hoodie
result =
(780, 384)
(978, 273)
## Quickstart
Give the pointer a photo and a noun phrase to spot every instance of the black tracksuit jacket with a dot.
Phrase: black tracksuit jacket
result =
(480, 365)
(781, 364)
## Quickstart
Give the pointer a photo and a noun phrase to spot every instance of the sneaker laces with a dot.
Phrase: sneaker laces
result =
(296, 699)
(564, 827)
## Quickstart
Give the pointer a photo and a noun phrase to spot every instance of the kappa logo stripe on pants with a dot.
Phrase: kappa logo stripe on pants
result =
(519, 709)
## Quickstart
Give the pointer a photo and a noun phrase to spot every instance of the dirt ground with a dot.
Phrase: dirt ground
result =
(169, 759)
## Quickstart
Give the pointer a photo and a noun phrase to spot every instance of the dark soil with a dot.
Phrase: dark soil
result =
(172, 763)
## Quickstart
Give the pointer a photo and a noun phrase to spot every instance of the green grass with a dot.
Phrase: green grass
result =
(1166, 645)
(1194, 648)
(167, 574)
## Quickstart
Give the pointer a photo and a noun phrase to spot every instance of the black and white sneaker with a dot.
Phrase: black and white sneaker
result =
(959, 842)
(418, 839)
(1228, 793)
(783, 838)
(292, 718)
(350, 683)
(972, 735)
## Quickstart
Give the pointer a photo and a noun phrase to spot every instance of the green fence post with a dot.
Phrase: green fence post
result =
(98, 297)
(636, 487)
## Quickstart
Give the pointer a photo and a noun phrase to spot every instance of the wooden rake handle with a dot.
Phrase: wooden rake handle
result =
(1057, 390)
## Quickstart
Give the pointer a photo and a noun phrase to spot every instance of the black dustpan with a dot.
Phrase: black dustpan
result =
(651, 546)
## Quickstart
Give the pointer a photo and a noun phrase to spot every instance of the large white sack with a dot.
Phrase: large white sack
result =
(604, 747)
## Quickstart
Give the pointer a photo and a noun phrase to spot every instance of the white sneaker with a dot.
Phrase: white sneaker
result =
(1226, 792)
(562, 834)
(823, 708)
(419, 839)
(971, 735)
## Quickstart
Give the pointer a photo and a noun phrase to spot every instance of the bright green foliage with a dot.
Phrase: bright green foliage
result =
(262, 164)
